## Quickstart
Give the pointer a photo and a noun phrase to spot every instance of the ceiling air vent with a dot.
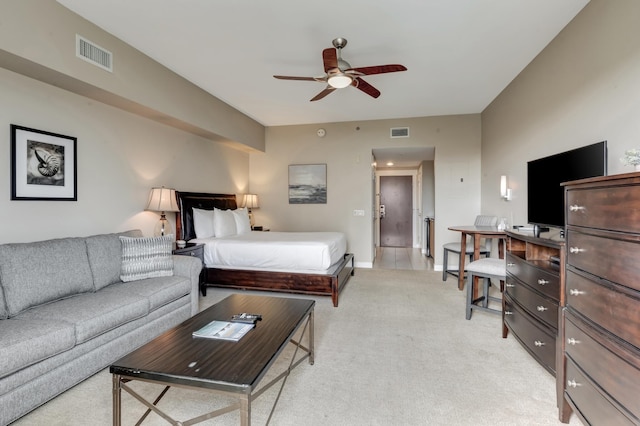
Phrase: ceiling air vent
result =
(399, 132)
(93, 53)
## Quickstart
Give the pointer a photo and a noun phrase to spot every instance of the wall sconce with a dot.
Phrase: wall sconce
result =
(250, 202)
(162, 200)
(505, 191)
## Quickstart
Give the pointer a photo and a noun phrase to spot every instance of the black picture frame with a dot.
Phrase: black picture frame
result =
(43, 165)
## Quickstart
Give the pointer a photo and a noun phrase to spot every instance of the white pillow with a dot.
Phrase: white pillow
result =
(224, 223)
(203, 223)
(243, 225)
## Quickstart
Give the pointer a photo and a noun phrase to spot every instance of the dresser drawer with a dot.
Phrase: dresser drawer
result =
(613, 259)
(604, 304)
(545, 282)
(542, 308)
(618, 377)
(601, 208)
(540, 344)
(594, 408)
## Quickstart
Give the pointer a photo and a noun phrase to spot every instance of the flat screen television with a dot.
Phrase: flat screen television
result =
(545, 200)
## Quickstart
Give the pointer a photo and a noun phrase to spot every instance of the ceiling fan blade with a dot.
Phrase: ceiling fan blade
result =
(287, 77)
(330, 59)
(379, 69)
(365, 87)
(322, 94)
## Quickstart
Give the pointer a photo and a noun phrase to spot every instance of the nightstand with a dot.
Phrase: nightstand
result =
(195, 250)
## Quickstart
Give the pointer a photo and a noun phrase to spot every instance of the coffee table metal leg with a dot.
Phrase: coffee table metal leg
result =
(245, 410)
(116, 400)
(311, 337)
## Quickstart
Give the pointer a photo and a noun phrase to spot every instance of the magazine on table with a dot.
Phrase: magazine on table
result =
(224, 330)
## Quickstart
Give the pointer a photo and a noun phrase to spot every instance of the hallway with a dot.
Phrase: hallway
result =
(402, 258)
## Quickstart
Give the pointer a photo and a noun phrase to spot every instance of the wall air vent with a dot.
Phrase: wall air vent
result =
(399, 132)
(93, 53)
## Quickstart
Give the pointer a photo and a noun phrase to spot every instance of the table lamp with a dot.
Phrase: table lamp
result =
(162, 200)
(250, 202)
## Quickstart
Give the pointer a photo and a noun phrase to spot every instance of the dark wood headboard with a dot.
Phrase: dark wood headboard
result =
(187, 201)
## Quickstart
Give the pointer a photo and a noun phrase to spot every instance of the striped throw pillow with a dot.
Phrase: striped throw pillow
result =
(146, 257)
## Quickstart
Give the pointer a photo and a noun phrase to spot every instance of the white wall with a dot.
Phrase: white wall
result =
(583, 88)
(120, 157)
(346, 149)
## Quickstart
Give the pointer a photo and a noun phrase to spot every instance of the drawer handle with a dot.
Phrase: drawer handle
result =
(572, 341)
(509, 285)
(541, 308)
(575, 292)
(538, 343)
(575, 250)
(576, 208)
(508, 313)
(510, 264)
(572, 383)
(542, 281)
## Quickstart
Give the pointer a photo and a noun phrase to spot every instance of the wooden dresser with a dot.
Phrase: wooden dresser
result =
(533, 290)
(600, 332)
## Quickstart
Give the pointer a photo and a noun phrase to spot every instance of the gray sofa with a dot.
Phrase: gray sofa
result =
(65, 314)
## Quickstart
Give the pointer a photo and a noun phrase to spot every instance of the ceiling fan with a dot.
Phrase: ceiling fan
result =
(339, 73)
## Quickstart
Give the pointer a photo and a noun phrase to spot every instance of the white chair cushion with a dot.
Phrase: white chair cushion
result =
(488, 266)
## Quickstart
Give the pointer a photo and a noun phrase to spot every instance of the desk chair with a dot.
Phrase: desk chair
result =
(486, 269)
(485, 246)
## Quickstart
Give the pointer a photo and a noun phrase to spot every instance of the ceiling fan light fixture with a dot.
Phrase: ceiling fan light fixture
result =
(340, 80)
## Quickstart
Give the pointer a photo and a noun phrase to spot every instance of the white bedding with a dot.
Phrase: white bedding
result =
(275, 251)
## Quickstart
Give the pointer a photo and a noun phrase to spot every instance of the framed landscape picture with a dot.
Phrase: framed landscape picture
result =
(43, 165)
(308, 184)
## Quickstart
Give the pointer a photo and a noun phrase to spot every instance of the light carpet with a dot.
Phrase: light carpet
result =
(397, 351)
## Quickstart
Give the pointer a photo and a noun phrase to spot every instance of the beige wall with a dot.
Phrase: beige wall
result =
(583, 88)
(120, 157)
(346, 149)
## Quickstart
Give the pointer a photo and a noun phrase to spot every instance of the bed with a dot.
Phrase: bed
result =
(325, 280)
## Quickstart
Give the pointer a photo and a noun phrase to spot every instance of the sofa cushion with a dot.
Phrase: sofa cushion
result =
(146, 257)
(159, 291)
(105, 257)
(44, 271)
(92, 313)
(27, 342)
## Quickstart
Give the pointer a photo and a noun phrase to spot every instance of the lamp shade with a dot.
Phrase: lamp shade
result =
(250, 201)
(162, 200)
(503, 186)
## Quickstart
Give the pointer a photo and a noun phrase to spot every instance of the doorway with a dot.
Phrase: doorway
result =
(396, 211)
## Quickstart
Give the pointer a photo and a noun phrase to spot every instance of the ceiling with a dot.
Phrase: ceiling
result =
(460, 54)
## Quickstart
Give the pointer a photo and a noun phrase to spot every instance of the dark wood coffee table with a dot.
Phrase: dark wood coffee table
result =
(176, 358)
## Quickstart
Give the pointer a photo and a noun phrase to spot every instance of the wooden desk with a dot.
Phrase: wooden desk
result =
(476, 232)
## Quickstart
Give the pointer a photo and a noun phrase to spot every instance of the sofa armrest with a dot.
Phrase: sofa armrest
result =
(190, 267)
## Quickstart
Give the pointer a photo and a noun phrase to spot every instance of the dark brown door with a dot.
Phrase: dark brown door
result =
(396, 207)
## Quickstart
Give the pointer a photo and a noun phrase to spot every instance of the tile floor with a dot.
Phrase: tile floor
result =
(402, 258)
